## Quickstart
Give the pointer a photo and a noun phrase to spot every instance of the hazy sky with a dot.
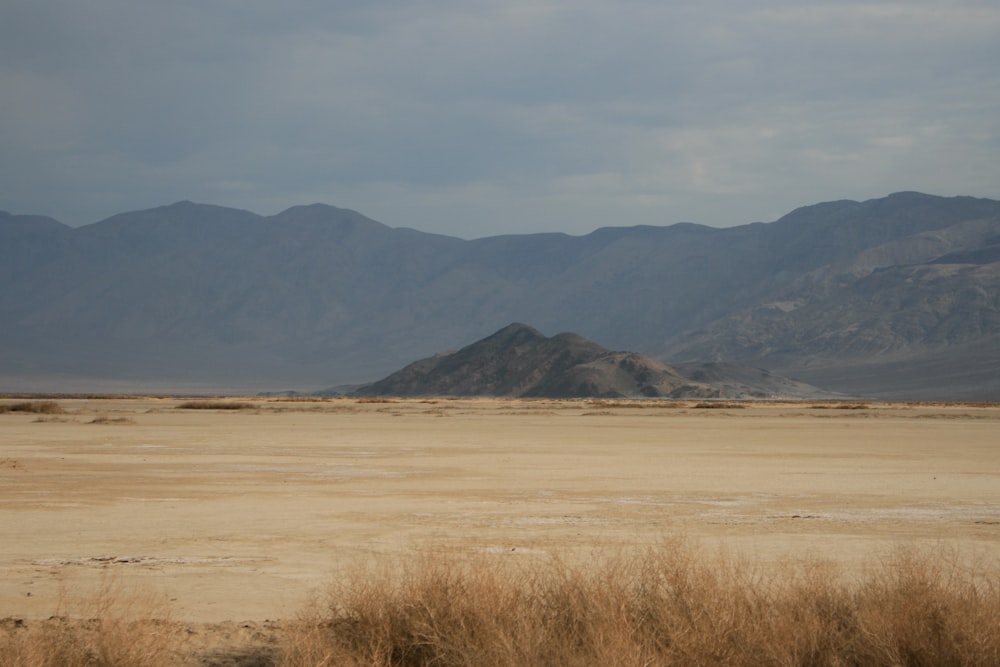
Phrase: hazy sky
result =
(482, 117)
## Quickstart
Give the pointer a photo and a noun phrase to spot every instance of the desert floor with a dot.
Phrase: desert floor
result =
(246, 514)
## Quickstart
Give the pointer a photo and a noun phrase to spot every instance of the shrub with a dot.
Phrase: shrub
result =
(121, 630)
(669, 605)
(104, 419)
(665, 606)
(36, 407)
(708, 405)
(215, 405)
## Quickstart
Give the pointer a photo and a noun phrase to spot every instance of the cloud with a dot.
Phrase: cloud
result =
(481, 117)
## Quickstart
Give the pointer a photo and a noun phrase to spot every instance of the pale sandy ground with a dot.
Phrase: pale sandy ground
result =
(233, 515)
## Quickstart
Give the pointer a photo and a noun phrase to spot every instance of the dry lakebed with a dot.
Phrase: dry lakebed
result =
(244, 509)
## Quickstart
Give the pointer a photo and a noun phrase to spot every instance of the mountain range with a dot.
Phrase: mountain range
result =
(892, 297)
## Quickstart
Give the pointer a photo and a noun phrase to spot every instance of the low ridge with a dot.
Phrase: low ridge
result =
(518, 361)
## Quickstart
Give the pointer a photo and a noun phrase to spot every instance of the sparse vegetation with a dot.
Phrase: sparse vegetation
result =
(215, 405)
(665, 606)
(120, 630)
(840, 406)
(719, 404)
(641, 403)
(104, 419)
(35, 407)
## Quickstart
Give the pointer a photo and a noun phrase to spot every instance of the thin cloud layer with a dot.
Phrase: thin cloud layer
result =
(482, 118)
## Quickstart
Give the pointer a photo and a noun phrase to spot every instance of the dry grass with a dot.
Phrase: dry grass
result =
(639, 403)
(670, 606)
(673, 605)
(728, 405)
(104, 419)
(841, 406)
(215, 405)
(119, 629)
(34, 407)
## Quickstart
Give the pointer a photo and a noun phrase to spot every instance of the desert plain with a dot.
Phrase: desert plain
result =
(247, 508)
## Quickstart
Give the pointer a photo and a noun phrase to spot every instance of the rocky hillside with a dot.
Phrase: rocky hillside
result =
(916, 316)
(518, 361)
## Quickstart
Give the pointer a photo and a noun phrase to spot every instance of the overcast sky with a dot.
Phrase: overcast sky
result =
(482, 117)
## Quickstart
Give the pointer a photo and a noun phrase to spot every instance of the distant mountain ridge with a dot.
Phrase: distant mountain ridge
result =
(898, 296)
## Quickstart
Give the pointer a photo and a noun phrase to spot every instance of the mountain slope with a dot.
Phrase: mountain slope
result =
(518, 361)
(928, 302)
(191, 295)
(738, 381)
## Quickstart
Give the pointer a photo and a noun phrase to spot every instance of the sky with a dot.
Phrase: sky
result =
(479, 117)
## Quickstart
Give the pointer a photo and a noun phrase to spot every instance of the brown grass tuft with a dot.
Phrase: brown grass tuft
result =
(841, 406)
(35, 407)
(112, 628)
(708, 405)
(215, 405)
(104, 419)
(670, 605)
(639, 403)
(662, 607)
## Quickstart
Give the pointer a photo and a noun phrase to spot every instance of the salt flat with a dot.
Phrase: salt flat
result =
(245, 514)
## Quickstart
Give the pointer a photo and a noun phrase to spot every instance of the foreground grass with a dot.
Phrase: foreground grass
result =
(111, 628)
(664, 607)
(667, 606)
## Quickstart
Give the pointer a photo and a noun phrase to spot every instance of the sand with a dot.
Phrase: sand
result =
(247, 514)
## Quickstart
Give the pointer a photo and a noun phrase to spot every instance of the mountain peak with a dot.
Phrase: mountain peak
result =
(514, 332)
(343, 220)
(519, 361)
